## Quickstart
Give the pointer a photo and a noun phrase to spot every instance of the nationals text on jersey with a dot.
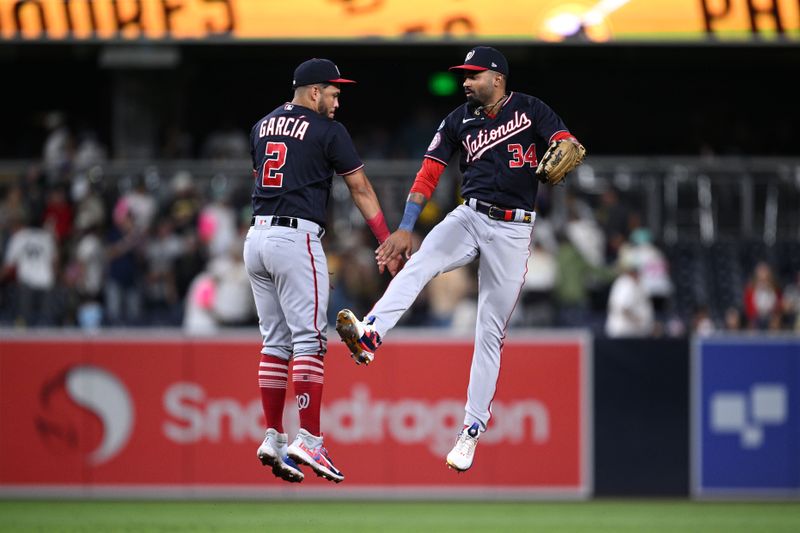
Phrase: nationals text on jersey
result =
(489, 138)
(289, 126)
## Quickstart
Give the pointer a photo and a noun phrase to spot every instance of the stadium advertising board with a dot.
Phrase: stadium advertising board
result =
(746, 417)
(393, 20)
(85, 417)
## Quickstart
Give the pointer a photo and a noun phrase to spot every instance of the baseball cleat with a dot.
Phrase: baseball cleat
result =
(360, 337)
(307, 449)
(460, 457)
(272, 452)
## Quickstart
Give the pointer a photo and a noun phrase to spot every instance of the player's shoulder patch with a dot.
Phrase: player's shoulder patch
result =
(436, 141)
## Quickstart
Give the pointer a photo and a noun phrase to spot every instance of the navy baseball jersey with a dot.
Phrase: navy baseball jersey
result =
(499, 154)
(295, 154)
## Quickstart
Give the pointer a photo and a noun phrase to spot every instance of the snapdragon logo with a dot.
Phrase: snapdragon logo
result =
(86, 409)
(362, 418)
(195, 417)
(747, 413)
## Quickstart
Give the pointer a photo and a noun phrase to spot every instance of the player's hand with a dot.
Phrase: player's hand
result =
(393, 266)
(398, 244)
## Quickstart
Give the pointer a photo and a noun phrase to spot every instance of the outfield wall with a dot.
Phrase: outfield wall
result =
(641, 409)
(117, 416)
(162, 415)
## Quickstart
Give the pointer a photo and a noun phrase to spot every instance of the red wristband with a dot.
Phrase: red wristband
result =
(378, 226)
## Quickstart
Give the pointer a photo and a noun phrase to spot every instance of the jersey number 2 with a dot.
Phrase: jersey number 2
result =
(518, 159)
(270, 177)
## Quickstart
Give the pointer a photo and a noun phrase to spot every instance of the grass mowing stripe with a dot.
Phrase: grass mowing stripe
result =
(389, 517)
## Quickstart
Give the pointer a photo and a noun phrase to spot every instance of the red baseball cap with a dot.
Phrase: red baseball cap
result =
(317, 71)
(483, 58)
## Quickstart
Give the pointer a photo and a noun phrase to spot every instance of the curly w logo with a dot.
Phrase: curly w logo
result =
(303, 400)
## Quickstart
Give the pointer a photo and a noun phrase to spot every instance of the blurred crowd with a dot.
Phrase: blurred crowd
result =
(152, 250)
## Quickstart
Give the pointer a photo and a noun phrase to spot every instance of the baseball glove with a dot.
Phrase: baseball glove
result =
(561, 157)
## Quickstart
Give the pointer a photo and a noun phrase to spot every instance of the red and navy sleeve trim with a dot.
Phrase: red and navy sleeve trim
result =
(435, 159)
(351, 171)
(561, 135)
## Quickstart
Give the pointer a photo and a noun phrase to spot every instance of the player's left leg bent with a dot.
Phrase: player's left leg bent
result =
(450, 244)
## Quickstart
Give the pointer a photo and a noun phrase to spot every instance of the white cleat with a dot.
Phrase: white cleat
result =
(460, 457)
(273, 452)
(308, 449)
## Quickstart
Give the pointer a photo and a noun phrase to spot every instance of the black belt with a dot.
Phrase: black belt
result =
(287, 222)
(498, 213)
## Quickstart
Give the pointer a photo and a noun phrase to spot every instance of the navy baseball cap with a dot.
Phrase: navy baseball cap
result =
(483, 58)
(317, 71)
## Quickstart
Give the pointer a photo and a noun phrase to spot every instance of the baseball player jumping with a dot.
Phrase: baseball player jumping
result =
(296, 149)
(502, 138)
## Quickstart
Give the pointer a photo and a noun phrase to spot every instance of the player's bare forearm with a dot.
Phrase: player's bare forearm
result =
(363, 194)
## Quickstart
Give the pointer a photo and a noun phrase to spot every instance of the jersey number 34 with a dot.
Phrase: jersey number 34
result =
(276, 158)
(518, 159)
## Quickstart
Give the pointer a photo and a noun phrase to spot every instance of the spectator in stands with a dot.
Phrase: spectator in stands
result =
(584, 232)
(59, 148)
(198, 314)
(353, 275)
(733, 319)
(90, 210)
(702, 323)
(576, 278)
(142, 205)
(33, 193)
(612, 214)
(217, 226)
(630, 311)
(12, 209)
(31, 258)
(653, 266)
(160, 292)
(89, 263)
(791, 304)
(233, 298)
(123, 284)
(58, 213)
(183, 208)
(446, 292)
(535, 307)
(762, 299)
(89, 152)
(220, 295)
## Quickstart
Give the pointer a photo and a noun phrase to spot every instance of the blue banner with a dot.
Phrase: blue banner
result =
(746, 413)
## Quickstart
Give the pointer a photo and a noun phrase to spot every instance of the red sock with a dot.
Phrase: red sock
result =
(273, 376)
(308, 375)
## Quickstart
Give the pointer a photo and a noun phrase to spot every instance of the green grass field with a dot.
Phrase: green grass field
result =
(389, 517)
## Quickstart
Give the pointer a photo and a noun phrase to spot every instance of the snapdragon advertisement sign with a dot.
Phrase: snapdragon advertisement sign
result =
(126, 416)
(746, 417)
